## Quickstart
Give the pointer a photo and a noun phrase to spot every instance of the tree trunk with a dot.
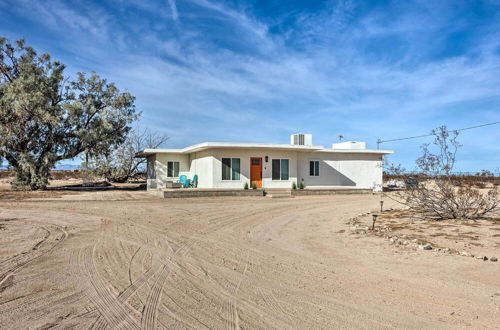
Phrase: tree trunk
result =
(30, 176)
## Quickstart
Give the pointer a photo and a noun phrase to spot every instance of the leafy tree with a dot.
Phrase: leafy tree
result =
(120, 164)
(45, 118)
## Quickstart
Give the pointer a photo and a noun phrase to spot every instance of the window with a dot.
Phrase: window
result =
(230, 168)
(172, 169)
(280, 169)
(314, 168)
(235, 168)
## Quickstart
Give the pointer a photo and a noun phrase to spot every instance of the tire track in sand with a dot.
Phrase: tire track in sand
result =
(135, 286)
(127, 293)
(260, 234)
(10, 266)
(148, 320)
(232, 317)
(110, 308)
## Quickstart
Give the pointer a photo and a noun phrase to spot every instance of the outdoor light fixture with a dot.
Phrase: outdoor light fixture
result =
(374, 219)
(381, 206)
(267, 159)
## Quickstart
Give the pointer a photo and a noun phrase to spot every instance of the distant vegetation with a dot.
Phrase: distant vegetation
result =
(438, 193)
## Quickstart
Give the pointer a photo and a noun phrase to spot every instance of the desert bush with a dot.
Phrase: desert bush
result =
(294, 185)
(245, 186)
(442, 195)
(121, 164)
(254, 186)
(443, 200)
(480, 185)
(458, 182)
(301, 185)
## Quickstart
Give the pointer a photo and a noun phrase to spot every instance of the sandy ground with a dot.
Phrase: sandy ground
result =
(132, 261)
(468, 238)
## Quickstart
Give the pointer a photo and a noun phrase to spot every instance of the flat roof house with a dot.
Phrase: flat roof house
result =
(231, 165)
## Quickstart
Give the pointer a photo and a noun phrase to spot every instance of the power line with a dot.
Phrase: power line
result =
(379, 141)
(466, 128)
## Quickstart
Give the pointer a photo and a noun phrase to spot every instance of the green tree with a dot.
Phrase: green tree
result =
(45, 118)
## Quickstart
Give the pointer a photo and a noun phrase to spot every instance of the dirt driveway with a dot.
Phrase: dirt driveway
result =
(131, 261)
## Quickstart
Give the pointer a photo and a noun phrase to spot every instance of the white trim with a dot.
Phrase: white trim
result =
(275, 146)
(173, 168)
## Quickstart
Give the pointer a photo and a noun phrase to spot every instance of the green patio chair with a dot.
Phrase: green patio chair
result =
(194, 182)
(184, 181)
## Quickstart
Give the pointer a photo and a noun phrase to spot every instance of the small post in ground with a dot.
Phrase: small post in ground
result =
(374, 219)
(381, 206)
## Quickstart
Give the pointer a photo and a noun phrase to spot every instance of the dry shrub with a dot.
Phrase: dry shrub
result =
(480, 185)
(442, 195)
(441, 199)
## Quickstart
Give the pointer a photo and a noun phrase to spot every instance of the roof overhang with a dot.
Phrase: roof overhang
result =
(232, 145)
(358, 151)
(149, 152)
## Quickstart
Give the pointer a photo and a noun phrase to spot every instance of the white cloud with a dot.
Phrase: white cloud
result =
(315, 76)
(63, 17)
(173, 9)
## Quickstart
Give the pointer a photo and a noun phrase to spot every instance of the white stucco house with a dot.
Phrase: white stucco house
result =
(231, 165)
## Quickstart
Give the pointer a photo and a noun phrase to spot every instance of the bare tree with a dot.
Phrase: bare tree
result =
(120, 164)
(440, 195)
(443, 162)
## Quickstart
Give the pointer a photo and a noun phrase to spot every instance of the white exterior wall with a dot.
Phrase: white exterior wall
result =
(342, 169)
(244, 156)
(357, 170)
(202, 165)
(159, 169)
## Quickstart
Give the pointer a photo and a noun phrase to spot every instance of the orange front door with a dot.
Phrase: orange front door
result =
(256, 172)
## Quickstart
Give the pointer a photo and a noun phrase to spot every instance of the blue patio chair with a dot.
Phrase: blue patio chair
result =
(194, 182)
(183, 180)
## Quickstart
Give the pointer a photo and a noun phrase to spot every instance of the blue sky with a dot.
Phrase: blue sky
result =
(206, 70)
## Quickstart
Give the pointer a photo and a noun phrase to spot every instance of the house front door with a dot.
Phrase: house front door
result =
(256, 172)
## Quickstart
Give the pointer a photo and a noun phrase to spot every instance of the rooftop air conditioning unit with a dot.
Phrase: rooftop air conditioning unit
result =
(301, 139)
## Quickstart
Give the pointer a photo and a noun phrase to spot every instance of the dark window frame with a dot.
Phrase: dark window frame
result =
(277, 173)
(314, 166)
(231, 172)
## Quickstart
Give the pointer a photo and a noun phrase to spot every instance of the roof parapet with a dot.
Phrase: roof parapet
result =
(351, 145)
